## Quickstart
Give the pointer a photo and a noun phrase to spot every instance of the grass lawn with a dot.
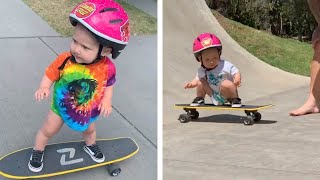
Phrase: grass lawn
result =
(287, 54)
(56, 13)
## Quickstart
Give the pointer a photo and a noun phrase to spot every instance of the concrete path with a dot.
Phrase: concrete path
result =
(218, 145)
(28, 45)
(148, 6)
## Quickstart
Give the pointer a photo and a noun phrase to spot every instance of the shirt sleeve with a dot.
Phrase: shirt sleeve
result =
(201, 73)
(52, 71)
(233, 69)
(111, 73)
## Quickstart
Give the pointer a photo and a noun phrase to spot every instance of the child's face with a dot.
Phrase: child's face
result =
(210, 57)
(84, 46)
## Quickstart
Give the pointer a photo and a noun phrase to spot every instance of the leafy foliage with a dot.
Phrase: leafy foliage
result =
(285, 18)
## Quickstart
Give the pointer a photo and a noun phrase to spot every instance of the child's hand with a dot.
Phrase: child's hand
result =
(188, 85)
(41, 93)
(105, 108)
(192, 84)
(237, 79)
(237, 82)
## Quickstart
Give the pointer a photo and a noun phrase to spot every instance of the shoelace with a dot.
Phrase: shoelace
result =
(94, 148)
(37, 156)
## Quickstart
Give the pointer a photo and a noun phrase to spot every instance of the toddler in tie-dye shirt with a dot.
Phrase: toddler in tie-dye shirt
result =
(83, 78)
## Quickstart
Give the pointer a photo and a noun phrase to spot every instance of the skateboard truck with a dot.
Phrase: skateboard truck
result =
(191, 113)
(113, 169)
(252, 117)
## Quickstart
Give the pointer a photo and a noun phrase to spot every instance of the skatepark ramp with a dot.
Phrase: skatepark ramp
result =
(183, 21)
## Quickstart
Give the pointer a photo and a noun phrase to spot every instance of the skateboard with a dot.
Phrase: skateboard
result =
(251, 111)
(68, 157)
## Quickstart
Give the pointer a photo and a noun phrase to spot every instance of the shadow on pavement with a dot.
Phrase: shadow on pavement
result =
(229, 118)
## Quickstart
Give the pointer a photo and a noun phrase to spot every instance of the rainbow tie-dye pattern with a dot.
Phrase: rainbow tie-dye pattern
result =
(78, 93)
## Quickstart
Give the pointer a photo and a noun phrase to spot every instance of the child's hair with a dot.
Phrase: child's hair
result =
(206, 41)
(106, 20)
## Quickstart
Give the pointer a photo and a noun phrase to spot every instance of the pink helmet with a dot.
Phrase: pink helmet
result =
(205, 41)
(107, 21)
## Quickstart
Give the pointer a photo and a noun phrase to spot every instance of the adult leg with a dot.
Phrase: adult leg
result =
(313, 101)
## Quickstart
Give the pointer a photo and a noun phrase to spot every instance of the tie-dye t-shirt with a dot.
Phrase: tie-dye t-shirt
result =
(78, 89)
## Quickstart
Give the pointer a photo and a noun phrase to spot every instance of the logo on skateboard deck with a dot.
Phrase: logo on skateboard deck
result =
(71, 151)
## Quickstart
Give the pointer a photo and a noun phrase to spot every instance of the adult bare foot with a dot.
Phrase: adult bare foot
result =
(307, 108)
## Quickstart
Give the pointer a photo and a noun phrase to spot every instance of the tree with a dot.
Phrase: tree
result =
(289, 18)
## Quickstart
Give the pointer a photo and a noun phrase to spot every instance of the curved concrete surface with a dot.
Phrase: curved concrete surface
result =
(218, 145)
(182, 23)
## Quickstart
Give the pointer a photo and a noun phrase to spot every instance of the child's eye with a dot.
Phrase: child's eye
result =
(74, 41)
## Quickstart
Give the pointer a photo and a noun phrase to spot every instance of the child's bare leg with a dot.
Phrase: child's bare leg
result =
(50, 127)
(91, 147)
(90, 134)
(228, 89)
(200, 90)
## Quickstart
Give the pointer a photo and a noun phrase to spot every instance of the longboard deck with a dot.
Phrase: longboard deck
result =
(67, 157)
(224, 107)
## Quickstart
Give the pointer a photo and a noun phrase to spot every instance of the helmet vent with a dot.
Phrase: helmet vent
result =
(116, 21)
(108, 9)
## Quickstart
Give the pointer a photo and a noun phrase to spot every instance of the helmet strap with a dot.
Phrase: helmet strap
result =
(207, 69)
(99, 52)
(98, 58)
(98, 55)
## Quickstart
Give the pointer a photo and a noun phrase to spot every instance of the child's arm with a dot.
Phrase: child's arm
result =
(51, 75)
(44, 89)
(237, 79)
(206, 86)
(192, 84)
(105, 105)
(234, 71)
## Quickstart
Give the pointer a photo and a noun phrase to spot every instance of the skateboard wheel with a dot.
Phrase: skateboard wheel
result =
(113, 169)
(248, 121)
(194, 114)
(183, 118)
(256, 116)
